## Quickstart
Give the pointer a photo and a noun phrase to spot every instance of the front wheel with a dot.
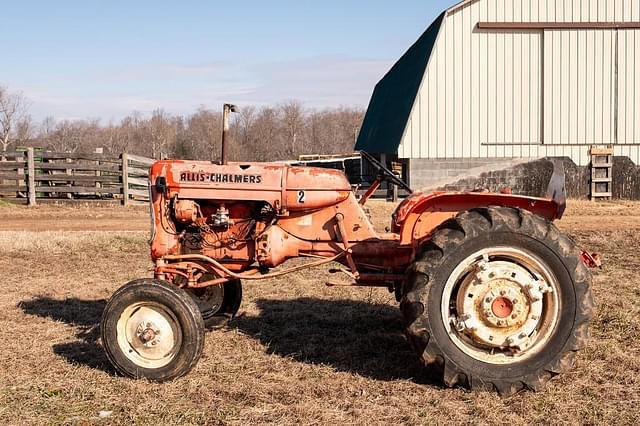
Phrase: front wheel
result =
(498, 299)
(152, 329)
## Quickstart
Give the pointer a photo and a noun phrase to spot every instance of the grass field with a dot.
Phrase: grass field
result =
(298, 353)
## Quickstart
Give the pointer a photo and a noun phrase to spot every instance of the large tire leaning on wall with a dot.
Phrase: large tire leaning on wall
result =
(152, 329)
(498, 299)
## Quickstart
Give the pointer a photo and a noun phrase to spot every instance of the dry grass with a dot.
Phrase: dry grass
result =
(299, 353)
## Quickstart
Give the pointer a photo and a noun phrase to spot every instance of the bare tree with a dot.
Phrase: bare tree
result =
(15, 123)
(267, 133)
(24, 130)
(201, 136)
(73, 136)
(246, 120)
(160, 133)
(124, 137)
(47, 127)
(293, 117)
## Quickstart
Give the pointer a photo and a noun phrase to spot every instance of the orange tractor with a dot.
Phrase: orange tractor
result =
(494, 296)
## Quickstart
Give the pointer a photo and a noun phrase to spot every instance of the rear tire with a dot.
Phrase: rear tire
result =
(488, 273)
(151, 329)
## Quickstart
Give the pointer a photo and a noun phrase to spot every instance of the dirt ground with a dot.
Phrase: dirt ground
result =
(299, 352)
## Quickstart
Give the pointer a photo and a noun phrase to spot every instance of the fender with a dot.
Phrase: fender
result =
(418, 215)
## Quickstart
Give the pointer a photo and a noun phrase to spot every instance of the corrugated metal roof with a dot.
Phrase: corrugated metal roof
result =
(393, 97)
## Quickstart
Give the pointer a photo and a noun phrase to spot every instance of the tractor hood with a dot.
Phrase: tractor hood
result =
(283, 186)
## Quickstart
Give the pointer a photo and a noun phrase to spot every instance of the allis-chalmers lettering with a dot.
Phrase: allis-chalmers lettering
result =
(219, 177)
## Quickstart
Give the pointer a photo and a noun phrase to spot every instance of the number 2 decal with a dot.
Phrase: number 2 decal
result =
(301, 196)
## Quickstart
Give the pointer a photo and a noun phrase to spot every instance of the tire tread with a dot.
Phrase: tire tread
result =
(446, 238)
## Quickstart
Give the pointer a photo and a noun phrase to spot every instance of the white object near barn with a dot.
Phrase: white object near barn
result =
(500, 79)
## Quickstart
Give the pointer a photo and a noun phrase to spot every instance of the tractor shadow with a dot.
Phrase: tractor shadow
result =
(350, 336)
(85, 316)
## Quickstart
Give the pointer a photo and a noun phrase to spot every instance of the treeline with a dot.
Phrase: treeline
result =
(267, 133)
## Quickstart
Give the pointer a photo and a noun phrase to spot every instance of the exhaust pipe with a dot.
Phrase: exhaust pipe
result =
(226, 110)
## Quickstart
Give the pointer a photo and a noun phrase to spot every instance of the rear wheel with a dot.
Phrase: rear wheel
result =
(218, 304)
(152, 329)
(498, 299)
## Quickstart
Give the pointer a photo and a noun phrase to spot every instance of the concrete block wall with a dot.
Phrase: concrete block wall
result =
(523, 176)
(425, 172)
(431, 174)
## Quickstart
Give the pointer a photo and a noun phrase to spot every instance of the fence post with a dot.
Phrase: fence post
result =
(98, 174)
(125, 178)
(20, 182)
(69, 172)
(394, 193)
(2, 158)
(31, 178)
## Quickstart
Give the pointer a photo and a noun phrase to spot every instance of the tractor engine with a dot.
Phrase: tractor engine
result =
(247, 215)
(222, 230)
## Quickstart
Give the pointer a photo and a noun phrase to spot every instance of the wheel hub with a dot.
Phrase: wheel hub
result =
(209, 299)
(500, 305)
(148, 335)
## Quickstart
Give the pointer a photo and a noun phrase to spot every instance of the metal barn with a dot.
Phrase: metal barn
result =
(492, 80)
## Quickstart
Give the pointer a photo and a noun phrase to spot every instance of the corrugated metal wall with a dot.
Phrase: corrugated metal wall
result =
(529, 93)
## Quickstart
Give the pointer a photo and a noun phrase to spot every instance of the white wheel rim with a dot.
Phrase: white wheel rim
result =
(149, 334)
(501, 305)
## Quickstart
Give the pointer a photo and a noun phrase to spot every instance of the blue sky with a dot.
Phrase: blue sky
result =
(105, 59)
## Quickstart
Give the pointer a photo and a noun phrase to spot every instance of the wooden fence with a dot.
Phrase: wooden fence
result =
(35, 175)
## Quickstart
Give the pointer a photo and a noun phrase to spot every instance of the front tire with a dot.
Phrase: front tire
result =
(151, 329)
(499, 299)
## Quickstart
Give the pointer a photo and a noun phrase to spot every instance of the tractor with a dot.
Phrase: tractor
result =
(493, 295)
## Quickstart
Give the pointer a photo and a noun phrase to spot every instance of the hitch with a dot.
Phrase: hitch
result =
(591, 260)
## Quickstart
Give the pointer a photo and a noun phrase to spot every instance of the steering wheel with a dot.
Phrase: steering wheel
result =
(384, 173)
